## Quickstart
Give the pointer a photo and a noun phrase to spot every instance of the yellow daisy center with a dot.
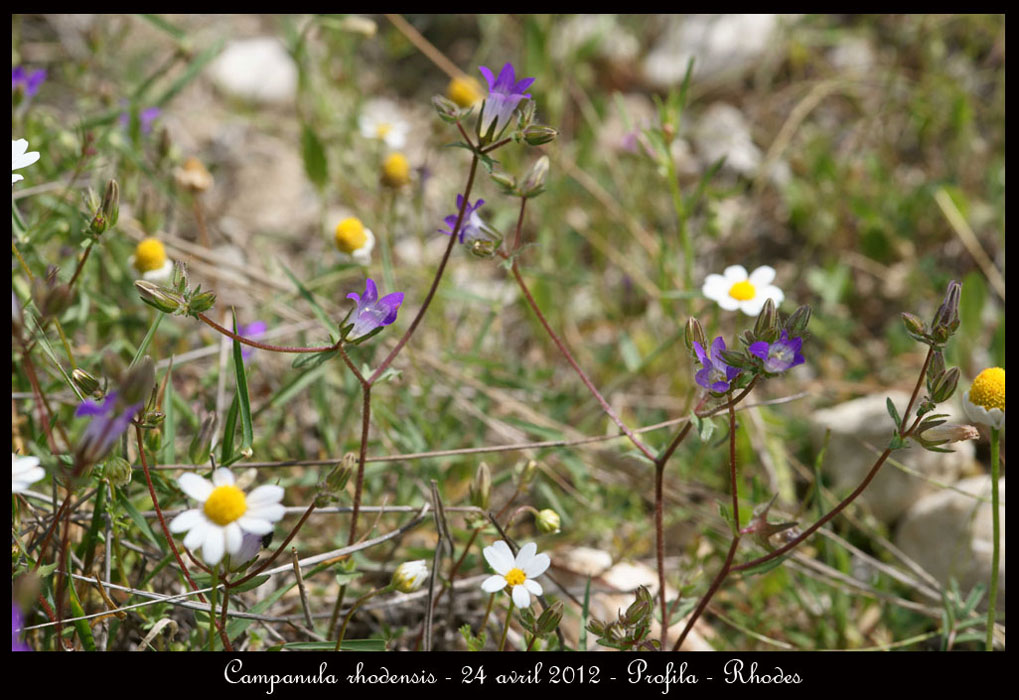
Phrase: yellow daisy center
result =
(988, 389)
(395, 170)
(463, 91)
(382, 130)
(225, 504)
(149, 255)
(742, 291)
(350, 235)
(515, 577)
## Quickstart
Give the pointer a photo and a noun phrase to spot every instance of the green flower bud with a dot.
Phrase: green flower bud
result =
(201, 302)
(506, 182)
(51, 296)
(153, 439)
(118, 471)
(86, 383)
(944, 385)
(694, 334)
(529, 471)
(410, 576)
(539, 134)
(946, 319)
(157, 297)
(915, 328)
(935, 369)
(481, 487)
(549, 618)
(447, 109)
(201, 444)
(548, 521)
(482, 248)
(111, 203)
(766, 326)
(534, 181)
(797, 323)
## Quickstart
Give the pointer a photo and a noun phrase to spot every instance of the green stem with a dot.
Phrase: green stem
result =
(996, 520)
(353, 609)
(505, 629)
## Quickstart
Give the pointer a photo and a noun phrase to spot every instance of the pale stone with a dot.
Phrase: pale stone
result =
(950, 533)
(258, 69)
(723, 132)
(857, 423)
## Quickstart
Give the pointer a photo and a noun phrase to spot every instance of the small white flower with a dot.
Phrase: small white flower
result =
(734, 289)
(25, 471)
(518, 573)
(410, 576)
(381, 119)
(20, 158)
(226, 514)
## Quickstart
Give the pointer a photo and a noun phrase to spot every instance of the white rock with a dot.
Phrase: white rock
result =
(722, 131)
(717, 43)
(258, 69)
(848, 459)
(950, 535)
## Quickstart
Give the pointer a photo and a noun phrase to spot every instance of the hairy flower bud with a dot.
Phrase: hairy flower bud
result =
(410, 576)
(946, 319)
(528, 472)
(766, 326)
(539, 134)
(916, 328)
(481, 487)
(506, 182)
(549, 618)
(118, 471)
(949, 432)
(201, 302)
(447, 109)
(944, 385)
(201, 444)
(86, 383)
(111, 203)
(694, 334)
(157, 297)
(797, 322)
(533, 183)
(548, 521)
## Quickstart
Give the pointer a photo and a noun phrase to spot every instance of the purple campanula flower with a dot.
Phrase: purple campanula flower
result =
(504, 94)
(145, 118)
(252, 330)
(472, 228)
(779, 356)
(27, 81)
(372, 312)
(17, 623)
(106, 426)
(716, 375)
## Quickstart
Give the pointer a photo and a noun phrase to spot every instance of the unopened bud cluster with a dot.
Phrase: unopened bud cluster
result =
(178, 300)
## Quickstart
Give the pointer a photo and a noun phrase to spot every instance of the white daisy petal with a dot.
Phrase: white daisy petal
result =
(499, 557)
(533, 586)
(728, 303)
(537, 565)
(525, 555)
(521, 598)
(233, 537)
(223, 477)
(197, 534)
(264, 495)
(195, 486)
(270, 511)
(763, 275)
(215, 545)
(160, 275)
(256, 526)
(770, 291)
(715, 286)
(735, 273)
(186, 520)
(492, 584)
(753, 306)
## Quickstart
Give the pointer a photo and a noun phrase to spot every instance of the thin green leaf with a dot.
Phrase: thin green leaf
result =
(247, 434)
(140, 352)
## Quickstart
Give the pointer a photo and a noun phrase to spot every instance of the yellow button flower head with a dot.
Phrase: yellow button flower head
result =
(985, 401)
(395, 170)
(464, 91)
(226, 514)
(354, 240)
(150, 260)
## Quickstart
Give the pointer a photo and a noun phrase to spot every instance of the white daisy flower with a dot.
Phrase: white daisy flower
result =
(410, 576)
(25, 471)
(226, 514)
(984, 402)
(355, 240)
(151, 261)
(518, 573)
(381, 119)
(734, 289)
(21, 157)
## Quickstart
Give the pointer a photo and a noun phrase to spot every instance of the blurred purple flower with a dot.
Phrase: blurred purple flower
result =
(716, 375)
(372, 312)
(145, 118)
(27, 81)
(251, 331)
(17, 623)
(781, 355)
(504, 94)
(472, 228)
(106, 426)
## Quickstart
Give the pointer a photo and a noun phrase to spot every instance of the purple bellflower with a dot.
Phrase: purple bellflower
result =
(106, 426)
(779, 356)
(252, 331)
(372, 312)
(27, 81)
(504, 94)
(716, 375)
(472, 228)
(17, 623)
